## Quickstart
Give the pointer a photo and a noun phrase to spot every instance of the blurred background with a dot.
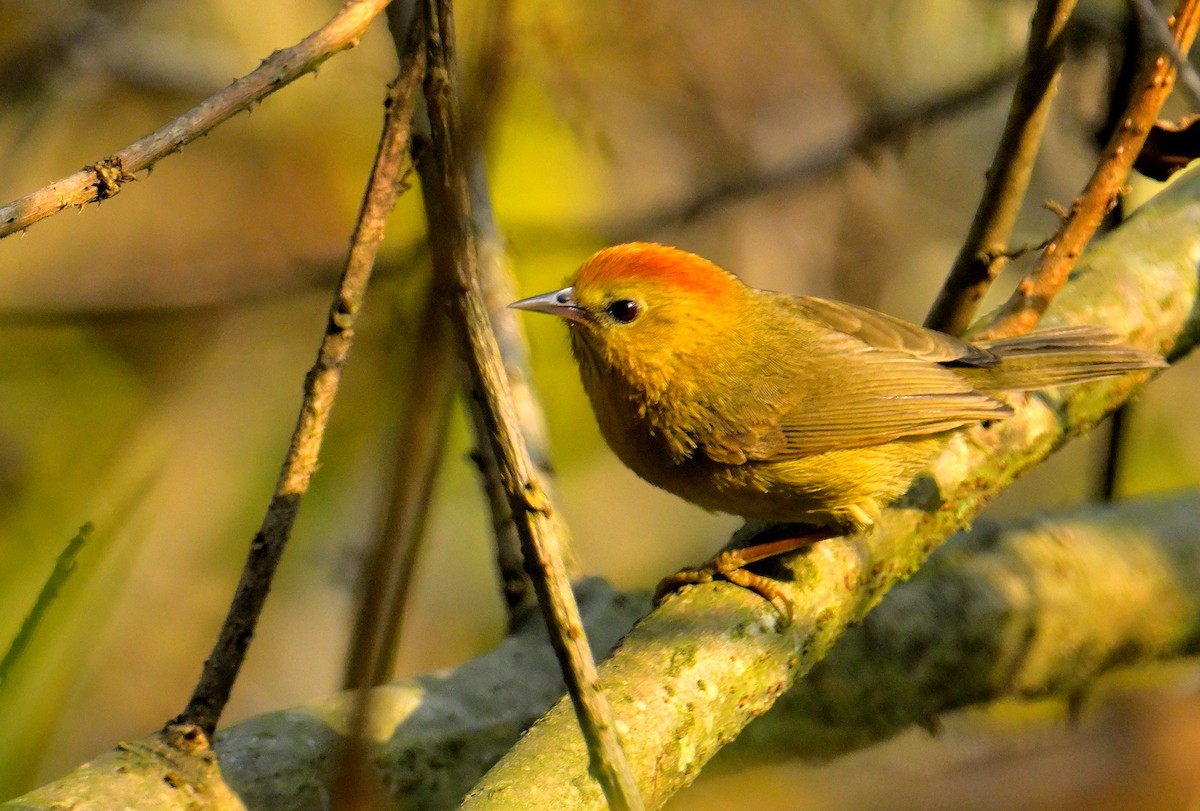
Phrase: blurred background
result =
(152, 348)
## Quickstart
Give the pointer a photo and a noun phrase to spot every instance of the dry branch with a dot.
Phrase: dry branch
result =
(983, 253)
(1035, 292)
(320, 388)
(104, 178)
(456, 269)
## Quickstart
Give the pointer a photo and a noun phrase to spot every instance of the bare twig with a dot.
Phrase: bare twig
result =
(984, 253)
(387, 569)
(497, 290)
(482, 96)
(1159, 34)
(455, 264)
(1122, 86)
(1114, 439)
(320, 387)
(1035, 292)
(486, 83)
(104, 178)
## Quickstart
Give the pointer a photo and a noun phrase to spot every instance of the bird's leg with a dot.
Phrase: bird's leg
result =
(730, 565)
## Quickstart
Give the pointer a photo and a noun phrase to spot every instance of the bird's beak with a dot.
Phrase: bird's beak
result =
(559, 302)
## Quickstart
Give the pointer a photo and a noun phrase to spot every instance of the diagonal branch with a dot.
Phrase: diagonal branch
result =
(983, 254)
(1035, 292)
(434, 735)
(1033, 609)
(456, 269)
(1159, 33)
(882, 128)
(320, 387)
(104, 178)
(713, 652)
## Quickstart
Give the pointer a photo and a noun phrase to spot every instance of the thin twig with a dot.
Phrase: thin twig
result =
(455, 264)
(1035, 292)
(1114, 438)
(104, 178)
(1158, 33)
(482, 96)
(320, 387)
(1123, 84)
(387, 569)
(497, 290)
(984, 253)
(487, 82)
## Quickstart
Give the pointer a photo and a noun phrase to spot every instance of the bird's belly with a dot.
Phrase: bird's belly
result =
(845, 487)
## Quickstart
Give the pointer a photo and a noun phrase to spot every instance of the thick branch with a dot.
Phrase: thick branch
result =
(1039, 608)
(693, 673)
(104, 178)
(1034, 608)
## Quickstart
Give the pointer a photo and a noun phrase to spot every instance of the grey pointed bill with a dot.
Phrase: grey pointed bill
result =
(558, 302)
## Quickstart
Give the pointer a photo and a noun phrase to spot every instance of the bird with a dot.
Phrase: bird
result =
(783, 408)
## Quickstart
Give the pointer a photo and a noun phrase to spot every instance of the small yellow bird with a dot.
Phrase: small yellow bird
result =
(786, 408)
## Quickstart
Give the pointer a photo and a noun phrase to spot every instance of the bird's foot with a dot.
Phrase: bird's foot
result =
(730, 566)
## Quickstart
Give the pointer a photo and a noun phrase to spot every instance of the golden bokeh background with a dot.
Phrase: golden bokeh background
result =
(152, 347)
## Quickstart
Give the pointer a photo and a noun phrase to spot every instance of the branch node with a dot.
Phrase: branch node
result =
(534, 499)
(110, 174)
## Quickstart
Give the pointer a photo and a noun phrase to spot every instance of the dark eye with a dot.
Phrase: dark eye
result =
(622, 310)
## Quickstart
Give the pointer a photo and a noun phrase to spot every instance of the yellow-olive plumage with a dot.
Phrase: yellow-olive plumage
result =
(787, 408)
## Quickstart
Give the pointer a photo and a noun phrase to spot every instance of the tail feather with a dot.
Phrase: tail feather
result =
(1058, 355)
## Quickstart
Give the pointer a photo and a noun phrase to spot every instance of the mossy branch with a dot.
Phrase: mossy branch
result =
(1039, 608)
(699, 668)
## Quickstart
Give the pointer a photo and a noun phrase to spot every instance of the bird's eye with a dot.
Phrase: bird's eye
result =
(622, 310)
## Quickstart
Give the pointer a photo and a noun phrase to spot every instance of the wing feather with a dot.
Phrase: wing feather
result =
(857, 378)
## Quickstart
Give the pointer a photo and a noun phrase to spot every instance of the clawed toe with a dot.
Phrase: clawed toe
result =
(728, 566)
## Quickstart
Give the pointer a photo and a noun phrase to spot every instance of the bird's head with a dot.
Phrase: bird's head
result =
(641, 308)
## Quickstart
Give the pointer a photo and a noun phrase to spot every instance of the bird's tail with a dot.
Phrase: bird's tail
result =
(1058, 355)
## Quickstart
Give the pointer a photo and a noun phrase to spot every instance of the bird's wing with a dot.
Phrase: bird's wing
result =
(883, 331)
(861, 378)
